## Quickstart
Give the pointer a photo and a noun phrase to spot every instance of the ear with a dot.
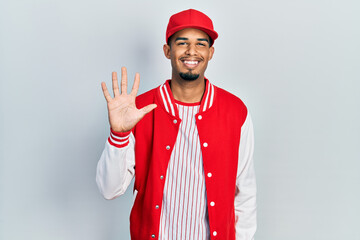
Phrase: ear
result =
(166, 49)
(212, 50)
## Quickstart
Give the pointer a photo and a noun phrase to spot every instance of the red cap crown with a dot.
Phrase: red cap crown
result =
(190, 18)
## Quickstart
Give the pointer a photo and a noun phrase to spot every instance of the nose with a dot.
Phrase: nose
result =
(191, 50)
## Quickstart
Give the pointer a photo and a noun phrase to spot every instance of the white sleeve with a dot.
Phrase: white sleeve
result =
(245, 195)
(116, 166)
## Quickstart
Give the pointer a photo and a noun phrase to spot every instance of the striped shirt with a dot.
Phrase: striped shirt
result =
(184, 210)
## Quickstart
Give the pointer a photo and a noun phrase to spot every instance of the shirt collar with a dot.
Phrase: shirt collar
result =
(168, 101)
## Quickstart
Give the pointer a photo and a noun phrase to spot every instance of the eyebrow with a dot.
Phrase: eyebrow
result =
(203, 39)
(181, 38)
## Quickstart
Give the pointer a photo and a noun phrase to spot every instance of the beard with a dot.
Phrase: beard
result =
(189, 76)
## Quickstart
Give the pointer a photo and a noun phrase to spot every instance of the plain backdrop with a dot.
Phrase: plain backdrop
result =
(295, 64)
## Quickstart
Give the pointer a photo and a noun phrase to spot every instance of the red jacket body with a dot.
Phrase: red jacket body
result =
(219, 124)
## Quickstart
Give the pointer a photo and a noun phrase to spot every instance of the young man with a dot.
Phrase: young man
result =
(188, 143)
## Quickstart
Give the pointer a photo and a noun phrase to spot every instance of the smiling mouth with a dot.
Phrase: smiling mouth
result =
(190, 63)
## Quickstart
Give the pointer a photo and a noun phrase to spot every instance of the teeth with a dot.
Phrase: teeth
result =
(191, 62)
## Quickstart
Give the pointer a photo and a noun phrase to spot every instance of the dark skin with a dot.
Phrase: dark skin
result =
(188, 46)
(189, 53)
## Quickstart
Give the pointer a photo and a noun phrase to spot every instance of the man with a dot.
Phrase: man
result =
(188, 143)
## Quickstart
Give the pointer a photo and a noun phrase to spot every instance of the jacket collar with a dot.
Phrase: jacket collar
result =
(167, 99)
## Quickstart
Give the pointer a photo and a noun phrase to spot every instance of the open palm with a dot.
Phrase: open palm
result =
(122, 111)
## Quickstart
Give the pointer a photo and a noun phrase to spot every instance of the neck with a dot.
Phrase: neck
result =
(188, 91)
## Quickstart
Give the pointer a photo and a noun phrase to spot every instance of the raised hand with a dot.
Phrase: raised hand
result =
(122, 111)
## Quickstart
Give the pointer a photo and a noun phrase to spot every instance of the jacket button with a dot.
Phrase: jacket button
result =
(199, 117)
(209, 174)
(167, 147)
(161, 177)
(214, 233)
(153, 236)
(157, 206)
(205, 144)
(175, 121)
(212, 204)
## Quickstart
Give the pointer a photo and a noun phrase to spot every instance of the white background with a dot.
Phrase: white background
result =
(294, 63)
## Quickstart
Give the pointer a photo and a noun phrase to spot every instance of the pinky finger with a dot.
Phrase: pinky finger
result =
(106, 92)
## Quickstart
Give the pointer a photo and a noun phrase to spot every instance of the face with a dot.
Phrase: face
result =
(189, 51)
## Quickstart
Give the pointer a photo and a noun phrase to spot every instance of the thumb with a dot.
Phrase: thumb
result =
(148, 108)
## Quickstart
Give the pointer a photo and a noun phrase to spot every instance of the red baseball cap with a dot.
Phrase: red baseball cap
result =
(190, 18)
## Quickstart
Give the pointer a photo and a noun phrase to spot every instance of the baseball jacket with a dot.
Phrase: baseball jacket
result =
(226, 137)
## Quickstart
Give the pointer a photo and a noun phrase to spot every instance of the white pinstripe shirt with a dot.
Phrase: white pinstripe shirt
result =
(184, 211)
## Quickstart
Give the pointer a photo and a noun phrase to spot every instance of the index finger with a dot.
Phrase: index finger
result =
(136, 84)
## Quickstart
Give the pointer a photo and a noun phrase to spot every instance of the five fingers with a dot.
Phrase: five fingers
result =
(115, 85)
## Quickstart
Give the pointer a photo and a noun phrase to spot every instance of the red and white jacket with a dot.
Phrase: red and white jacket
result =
(226, 137)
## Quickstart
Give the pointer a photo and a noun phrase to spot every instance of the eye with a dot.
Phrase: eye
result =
(181, 43)
(201, 44)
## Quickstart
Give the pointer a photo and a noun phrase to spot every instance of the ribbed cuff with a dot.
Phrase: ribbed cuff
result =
(119, 139)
